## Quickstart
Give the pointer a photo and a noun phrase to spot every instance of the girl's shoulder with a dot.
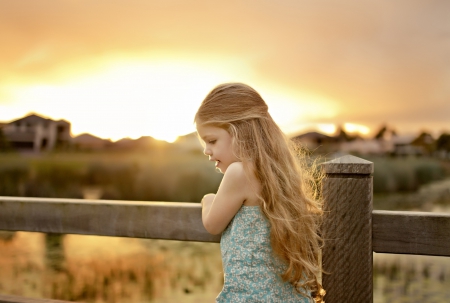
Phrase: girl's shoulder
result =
(235, 170)
(235, 177)
(246, 181)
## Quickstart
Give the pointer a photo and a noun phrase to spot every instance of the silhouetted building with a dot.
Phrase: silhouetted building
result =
(35, 133)
(90, 142)
(189, 143)
(364, 147)
(402, 146)
(318, 142)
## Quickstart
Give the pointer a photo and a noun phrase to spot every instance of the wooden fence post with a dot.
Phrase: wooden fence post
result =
(347, 230)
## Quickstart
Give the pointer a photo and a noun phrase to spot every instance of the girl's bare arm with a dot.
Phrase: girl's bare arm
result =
(219, 209)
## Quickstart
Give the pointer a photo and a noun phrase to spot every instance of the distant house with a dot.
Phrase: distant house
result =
(90, 142)
(315, 140)
(4, 144)
(189, 143)
(363, 147)
(124, 144)
(402, 146)
(35, 133)
(144, 143)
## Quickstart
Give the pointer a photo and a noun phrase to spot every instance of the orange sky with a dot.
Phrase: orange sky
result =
(141, 67)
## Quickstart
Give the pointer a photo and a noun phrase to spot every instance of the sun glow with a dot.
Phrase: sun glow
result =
(119, 98)
(129, 100)
(356, 128)
(327, 128)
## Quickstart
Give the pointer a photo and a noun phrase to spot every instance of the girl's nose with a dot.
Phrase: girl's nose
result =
(207, 151)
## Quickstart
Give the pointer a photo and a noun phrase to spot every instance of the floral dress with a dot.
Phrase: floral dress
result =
(251, 273)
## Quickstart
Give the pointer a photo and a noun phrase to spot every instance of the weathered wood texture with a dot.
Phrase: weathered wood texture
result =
(16, 299)
(348, 165)
(155, 220)
(417, 233)
(347, 229)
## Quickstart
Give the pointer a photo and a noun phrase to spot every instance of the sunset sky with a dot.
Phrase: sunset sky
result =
(141, 67)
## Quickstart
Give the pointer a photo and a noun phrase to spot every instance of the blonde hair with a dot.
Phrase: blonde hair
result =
(289, 197)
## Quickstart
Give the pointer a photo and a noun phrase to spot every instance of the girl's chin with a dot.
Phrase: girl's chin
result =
(220, 169)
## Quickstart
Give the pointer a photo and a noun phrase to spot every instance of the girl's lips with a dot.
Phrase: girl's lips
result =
(217, 163)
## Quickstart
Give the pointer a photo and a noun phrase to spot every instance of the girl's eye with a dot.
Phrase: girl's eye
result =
(212, 141)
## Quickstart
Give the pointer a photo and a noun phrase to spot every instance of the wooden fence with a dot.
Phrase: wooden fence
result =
(353, 231)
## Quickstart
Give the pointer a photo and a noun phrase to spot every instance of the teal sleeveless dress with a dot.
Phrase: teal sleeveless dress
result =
(251, 272)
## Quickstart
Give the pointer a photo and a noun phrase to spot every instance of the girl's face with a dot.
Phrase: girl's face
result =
(218, 145)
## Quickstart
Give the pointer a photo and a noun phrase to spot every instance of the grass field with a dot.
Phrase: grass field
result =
(170, 175)
(150, 176)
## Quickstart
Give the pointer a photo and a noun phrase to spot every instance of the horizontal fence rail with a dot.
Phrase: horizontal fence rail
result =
(153, 220)
(398, 232)
(417, 233)
(16, 299)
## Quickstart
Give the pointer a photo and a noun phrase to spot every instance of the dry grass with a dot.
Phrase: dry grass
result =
(128, 270)
(411, 279)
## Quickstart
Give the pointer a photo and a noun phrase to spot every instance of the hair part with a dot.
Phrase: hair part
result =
(290, 196)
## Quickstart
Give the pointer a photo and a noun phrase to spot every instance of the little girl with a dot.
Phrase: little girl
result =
(264, 209)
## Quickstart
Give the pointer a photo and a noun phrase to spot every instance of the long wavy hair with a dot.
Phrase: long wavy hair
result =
(290, 196)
